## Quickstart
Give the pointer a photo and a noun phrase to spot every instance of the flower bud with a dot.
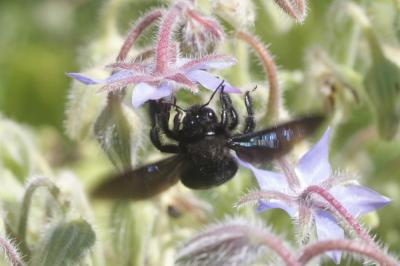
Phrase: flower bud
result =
(64, 243)
(233, 242)
(240, 14)
(200, 34)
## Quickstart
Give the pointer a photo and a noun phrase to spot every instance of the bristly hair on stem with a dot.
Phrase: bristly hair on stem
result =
(141, 25)
(11, 252)
(233, 242)
(364, 249)
(341, 210)
(165, 36)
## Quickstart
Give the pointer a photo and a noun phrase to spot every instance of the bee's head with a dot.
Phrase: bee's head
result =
(199, 121)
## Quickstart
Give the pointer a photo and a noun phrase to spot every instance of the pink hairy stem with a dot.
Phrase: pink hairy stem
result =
(346, 245)
(11, 252)
(166, 30)
(341, 210)
(146, 21)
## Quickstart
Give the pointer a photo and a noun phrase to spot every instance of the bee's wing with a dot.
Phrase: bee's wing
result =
(274, 142)
(143, 182)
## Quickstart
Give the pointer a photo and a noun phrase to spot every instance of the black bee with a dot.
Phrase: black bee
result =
(203, 148)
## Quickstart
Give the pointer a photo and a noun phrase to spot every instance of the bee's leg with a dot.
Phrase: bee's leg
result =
(229, 116)
(177, 122)
(250, 123)
(155, 137)
(164, 119)
(159, 120)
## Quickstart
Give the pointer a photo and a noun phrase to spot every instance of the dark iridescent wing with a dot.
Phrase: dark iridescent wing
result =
(272, 143)
(143, 182)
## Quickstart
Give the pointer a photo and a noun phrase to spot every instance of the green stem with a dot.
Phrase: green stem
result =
(26, 202)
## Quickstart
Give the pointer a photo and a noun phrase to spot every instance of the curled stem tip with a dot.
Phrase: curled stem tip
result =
(271, 71)
(26, 201)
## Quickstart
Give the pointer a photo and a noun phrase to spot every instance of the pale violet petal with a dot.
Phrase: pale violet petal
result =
(359, 200)
(314, 167)
(85, 79)
(267, 180)
(210, 81)
(328, 229)
(117, 76)
(276, 204)
(144, 92)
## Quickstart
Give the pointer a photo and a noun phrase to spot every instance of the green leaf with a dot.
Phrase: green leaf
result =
(64, 243)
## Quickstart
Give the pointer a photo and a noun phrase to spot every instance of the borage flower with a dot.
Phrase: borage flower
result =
(153, 85)
(313, 195)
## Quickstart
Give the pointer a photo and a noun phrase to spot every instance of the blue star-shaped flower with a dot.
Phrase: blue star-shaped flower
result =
(285, 191)
(151, 85)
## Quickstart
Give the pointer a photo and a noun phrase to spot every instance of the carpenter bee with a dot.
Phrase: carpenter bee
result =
(203, 150)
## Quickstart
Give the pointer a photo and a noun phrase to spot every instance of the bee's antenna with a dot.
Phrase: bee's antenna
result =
(220, 86)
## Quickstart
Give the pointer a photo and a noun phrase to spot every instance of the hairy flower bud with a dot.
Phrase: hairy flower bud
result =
(233, 242)
(200, 34)
(240, 14)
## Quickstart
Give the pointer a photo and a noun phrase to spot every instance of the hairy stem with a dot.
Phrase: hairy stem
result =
(146, 21)
(11, 252)
(341, 210)
(165, 36)
(269, 65)
(277, 245)
(346, 245)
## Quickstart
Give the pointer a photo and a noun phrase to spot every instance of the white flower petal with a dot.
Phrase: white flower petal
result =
(210, 81)
(359, 200)
(328, 229)
(314, 166)
(144, 92)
